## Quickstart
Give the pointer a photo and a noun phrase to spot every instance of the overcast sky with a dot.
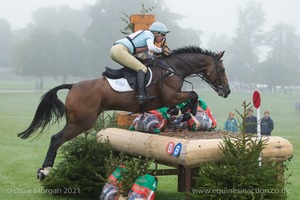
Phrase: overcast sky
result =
(211, 16)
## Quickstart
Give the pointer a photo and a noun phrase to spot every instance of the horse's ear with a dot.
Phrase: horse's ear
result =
(220, 55)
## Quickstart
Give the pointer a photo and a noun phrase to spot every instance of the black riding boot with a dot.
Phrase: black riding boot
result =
(143, 96)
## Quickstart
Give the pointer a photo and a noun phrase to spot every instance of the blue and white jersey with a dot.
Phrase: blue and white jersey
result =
(136, 40)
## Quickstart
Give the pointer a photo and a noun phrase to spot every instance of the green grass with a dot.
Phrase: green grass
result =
(19, 159)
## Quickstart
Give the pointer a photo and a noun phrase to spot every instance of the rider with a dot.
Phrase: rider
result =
(140, 41)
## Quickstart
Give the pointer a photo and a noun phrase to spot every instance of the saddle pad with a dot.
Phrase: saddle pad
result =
(122, 85)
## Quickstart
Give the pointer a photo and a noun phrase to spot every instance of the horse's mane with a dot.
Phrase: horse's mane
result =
(194, 49)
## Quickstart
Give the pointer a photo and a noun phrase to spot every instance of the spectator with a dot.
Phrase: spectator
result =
(251, 122)
(231, 123)
(266, 124)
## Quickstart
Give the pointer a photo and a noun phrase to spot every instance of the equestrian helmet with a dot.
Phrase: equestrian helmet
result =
(159, 27)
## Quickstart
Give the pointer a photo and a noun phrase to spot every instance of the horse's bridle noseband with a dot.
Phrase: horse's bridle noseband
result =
(220, 71)
(218, 89)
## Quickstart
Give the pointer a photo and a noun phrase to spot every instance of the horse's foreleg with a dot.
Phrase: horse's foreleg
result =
(185, 96)
(191, 105)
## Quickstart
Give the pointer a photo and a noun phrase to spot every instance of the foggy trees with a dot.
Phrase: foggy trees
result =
(247, 64)
(246, 43)
(218, 42)
(6, 43)
(106, 25)
(106, 22)
(62, 18)
(40, 54)
(55, 45)
(282, 66)
(74, 50)
(83, 38)
(45, 53)
(65, 42)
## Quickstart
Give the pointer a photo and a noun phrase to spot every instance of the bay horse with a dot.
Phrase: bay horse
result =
(87, 99)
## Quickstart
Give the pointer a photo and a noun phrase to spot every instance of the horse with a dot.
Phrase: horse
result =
(87, 99)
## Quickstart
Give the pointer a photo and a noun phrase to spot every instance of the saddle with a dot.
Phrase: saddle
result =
(129, 75)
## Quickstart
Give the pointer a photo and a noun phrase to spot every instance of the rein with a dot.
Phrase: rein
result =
(211, 83)
(205, 78)
(170, 69)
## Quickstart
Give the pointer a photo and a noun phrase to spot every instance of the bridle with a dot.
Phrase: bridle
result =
(218, 89)
(170, 69)
(212, 84)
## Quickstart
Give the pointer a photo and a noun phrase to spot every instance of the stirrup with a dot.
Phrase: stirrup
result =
(143, 98)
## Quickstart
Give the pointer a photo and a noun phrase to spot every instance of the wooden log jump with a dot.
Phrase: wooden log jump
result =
(193, 151)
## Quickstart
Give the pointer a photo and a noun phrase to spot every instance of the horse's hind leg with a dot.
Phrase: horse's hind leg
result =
(69, 132)
(83, 105)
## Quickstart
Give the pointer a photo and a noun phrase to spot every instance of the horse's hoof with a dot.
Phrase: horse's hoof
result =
(42, 173)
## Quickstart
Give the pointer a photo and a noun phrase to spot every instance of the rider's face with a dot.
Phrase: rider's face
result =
(159, 37)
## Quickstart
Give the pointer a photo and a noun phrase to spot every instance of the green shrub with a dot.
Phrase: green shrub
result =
(238, 175)
(82, 166)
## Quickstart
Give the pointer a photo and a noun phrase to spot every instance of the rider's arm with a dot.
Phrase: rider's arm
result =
(152, 47)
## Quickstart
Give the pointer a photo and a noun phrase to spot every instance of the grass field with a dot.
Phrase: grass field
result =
(20, 159)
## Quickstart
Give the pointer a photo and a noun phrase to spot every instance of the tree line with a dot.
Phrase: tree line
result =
(65, 42)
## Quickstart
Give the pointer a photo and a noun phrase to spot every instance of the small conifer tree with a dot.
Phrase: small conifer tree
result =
(238, 174)
(81, 170)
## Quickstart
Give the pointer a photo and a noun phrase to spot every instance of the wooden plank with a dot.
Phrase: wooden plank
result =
(142, 18)
(141, 26)
(164, 172)
(141, 21)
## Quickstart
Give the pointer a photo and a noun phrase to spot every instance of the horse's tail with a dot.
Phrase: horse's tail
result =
(49, 108)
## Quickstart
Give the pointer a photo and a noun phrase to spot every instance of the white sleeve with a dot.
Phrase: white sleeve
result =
(152, 47)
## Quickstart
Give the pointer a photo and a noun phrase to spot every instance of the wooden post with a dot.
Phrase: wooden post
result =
(141, 22)
(185, 178)
(125, 118)
(181, 179)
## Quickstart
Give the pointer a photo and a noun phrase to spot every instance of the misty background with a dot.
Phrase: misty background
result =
(71, 39)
